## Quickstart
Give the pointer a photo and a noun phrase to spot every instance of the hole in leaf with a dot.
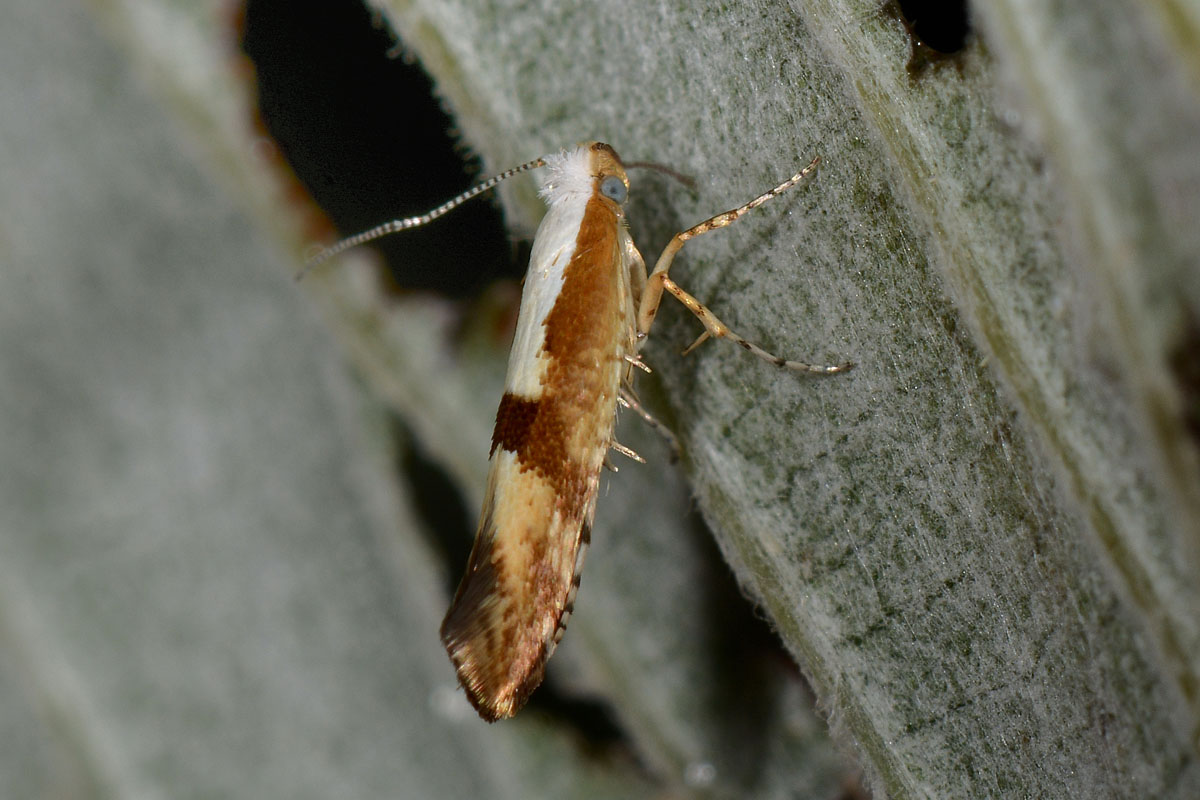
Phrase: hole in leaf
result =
(940, 25)
(937, 31)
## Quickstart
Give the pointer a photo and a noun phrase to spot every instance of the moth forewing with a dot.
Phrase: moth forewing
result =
(553, 431)
(510, 607)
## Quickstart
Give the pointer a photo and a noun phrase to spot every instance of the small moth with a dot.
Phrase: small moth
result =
(586, 308)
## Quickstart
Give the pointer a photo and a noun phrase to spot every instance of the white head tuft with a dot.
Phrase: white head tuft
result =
(568, 174)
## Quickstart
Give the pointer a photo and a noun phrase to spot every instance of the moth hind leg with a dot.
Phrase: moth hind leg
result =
(714, 327)
(628, 400)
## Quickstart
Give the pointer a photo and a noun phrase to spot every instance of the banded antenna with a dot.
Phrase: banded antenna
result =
(379, 231)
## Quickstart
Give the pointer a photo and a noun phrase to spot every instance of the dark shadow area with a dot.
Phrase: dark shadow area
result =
(437, 500)
(363, 132)
(938, 30)
(941, 25)
(1184, 362)
(599, 733)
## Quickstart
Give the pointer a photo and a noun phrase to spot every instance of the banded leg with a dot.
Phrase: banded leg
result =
(628, 452)
(714, 327)
(628, 400)
(658, 281)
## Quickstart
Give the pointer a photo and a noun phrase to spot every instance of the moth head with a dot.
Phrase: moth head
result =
(609, 172)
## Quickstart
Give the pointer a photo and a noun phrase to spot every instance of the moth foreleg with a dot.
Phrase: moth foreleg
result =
(658, 281)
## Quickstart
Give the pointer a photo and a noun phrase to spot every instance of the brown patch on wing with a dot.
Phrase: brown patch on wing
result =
(582, 343)
(514, 423)
(547, 452)
(557, 435)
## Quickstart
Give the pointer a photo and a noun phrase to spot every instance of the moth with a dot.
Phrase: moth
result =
(586, 309)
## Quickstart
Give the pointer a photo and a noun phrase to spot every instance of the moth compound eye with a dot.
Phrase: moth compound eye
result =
(614, 189)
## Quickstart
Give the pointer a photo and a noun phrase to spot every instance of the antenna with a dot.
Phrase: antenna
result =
(686, 180)
(326, 253)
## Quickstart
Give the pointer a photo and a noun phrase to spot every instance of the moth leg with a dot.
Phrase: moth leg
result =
(634, 361)
(658, 282)
(625, 451)
(651, 294)
(626, 399)
(714, 327)
(637, 269)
